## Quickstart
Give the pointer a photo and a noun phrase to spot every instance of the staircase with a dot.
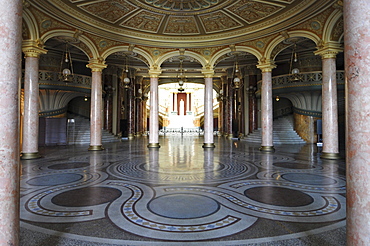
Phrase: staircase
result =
(78, 131)
(283, 133)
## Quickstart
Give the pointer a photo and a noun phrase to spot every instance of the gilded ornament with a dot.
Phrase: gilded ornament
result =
(46, 24)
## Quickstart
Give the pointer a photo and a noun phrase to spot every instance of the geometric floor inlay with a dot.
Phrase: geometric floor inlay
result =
(181, 194)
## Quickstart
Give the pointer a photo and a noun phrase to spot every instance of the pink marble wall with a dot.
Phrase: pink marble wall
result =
(305, 127)
(357, 70)
(10, 57)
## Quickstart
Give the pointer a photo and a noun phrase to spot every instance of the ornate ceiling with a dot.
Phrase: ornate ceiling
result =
(182, 23)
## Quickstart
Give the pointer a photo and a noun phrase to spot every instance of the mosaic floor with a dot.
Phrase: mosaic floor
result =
(182, 194)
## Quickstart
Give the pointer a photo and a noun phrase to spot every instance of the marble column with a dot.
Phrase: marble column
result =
(330, 138)
(154, 109)
(253, 119)
(357, 71)
(266, 107)
(145, 117)
(229, 109)
(175, 102)
(10, 73)
(30, 134)
(96, 116)
(130, 112)
(208, 108)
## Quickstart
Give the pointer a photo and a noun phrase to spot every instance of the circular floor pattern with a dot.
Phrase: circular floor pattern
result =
(73, 165)
(57, 179)
(306, 178)
(214, 172)
(183, 206)
(88, 196)
(279, 196)
(293, 165)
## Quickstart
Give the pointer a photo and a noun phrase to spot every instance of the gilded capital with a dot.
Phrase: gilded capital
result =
(266, 65)
(208, 72)
(154, 72)
(96, 65)
(329, 50)
(33, 48)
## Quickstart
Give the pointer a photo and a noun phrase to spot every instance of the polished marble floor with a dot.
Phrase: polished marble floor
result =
(182, 194)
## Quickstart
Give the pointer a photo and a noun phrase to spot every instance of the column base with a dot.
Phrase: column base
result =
(267, 149)
(154, 145)
(95, 147)
(330, 156)
(208, 145)
(230, 136)
(30, 156)
(131, 136)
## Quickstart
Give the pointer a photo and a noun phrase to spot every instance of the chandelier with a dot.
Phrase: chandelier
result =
(294, 71)
(125, 76)
(181, 75)
(66, 66)
(237, 76)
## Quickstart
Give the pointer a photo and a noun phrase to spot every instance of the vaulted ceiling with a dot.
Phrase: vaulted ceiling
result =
(183, 23)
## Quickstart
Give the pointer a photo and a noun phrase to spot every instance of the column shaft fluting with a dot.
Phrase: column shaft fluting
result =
(10, 73)
(357, 72)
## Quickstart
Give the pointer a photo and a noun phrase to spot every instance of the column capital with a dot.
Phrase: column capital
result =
(328, 50)
(154, 72)
(208, 72)
(266, 65)
(96, 65)
(33, 48)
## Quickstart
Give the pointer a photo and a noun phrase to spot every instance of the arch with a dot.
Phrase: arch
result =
(296, 33)
(30, 21)
(168, 55)
(222, 52)
(92, 53)
(330, 25)
(149, 60)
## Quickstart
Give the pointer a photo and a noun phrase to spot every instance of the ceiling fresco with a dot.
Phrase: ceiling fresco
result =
(172, 21)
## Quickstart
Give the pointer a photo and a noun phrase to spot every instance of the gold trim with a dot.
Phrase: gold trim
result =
(95, 147)
(30, 156)
(131, 136)
(330, 156)
(154, 145)
(208, 145)
(267, 149)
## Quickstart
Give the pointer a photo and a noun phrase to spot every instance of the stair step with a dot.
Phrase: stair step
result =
(283, 133)
(80, 132)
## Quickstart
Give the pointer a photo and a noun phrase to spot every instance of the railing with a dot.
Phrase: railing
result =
(301, 79)
(51, 77)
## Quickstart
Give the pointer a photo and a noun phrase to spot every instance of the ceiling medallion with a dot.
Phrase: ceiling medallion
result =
(182, 5)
